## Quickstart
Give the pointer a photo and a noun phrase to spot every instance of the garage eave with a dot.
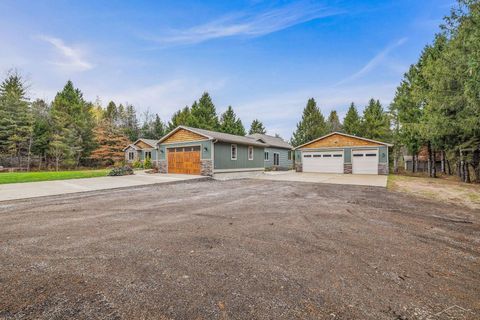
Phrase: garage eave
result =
(301, 147)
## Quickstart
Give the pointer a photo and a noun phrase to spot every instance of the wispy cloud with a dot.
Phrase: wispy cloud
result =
(249, 24)
(72, 58)
(374, 62)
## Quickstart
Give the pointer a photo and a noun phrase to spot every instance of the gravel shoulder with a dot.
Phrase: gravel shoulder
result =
(239, 249)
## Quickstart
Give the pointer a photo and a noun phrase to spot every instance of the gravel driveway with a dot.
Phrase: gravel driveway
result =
(239, 249)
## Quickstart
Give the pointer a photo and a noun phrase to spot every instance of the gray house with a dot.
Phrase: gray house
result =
(277, 154)
(189, 150)
(141, 150)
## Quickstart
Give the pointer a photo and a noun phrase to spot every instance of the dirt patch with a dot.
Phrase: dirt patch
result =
(440, 189)
(244, 249)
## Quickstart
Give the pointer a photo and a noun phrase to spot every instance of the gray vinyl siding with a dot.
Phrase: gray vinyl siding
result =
(205, 147)
(222, 157)
(283, 155)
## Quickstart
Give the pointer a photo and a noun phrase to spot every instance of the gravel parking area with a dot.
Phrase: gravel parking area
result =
(239, 249)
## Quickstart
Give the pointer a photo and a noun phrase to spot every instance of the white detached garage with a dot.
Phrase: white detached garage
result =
(342, 153)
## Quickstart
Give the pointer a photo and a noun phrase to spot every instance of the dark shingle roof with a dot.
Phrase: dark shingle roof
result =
(226, 137)
(271, 140)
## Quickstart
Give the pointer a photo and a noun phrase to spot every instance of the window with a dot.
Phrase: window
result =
(358, 154)
(317, 155)
(307, 156)
(337, 155)
(148, 155)
(250, 153)
(276, 159)
(131, 155)
(289, 155)
(266, 156)
(370, 155)
(327, 155)
(233, 152)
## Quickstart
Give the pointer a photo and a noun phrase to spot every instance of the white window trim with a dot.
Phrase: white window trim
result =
(231, 153)
(267, 154)
(248, 152)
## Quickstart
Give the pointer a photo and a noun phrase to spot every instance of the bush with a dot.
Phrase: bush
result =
(137, 164)
(147, 164)
(121, 171)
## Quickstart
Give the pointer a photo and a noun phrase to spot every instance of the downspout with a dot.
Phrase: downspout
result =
(213, 155)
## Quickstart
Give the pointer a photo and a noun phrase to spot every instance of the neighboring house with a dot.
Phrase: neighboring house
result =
(342, 153)
(197, 151)
(277, 154)
(422, 160)
(141, 150)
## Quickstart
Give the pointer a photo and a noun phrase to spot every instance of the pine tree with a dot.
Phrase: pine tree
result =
(111, 113)
(130, 123)
(311, 126)
(375, 122)
(16, 123)
(333, 122)
(42, 131)
(158, 127)
(203, 114)
(72, 119)
(352, 121)
(257, 127)
(180, 118)
(229, 123)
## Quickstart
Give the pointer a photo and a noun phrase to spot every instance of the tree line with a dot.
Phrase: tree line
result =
(437, 104)
(374, 123)
(70, 131)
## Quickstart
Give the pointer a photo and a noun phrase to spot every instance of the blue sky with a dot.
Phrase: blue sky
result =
(264, 58)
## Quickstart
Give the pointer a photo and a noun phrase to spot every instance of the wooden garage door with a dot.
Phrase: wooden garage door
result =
(184, 160)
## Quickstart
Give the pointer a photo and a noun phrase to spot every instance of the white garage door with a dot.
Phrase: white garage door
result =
(365, 161)
(325, 162)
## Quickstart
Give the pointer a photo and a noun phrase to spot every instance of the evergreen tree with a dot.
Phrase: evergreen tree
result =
(16, 123)
(229, 123)
(130, 125)
(375, 122)
(352, 121)
(311, 126)
(111, 113)
(257, 127)
(180, 118)
(203, 114)
(159, 128)
(73, 121)
(333, 122)
(42, 131)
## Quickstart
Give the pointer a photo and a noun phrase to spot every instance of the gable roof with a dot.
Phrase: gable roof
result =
(271, 141)
(214, 135)
(346, 135)
(150, 142)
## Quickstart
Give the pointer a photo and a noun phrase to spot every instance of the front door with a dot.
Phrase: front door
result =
(184, 160)
(276, 159)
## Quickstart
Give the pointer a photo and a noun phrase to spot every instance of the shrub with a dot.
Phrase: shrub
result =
(147, 164)
(137, 164)
(121, 171)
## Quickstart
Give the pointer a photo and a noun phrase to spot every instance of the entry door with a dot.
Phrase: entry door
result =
(184, 160)
(276, 159)
(365, 161)
(323, 162)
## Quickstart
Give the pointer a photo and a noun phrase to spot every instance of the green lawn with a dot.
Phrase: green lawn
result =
(16, 177)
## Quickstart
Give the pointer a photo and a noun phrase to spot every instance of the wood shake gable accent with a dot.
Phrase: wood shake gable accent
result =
(183, 135)
(143, 145)
(340, 141)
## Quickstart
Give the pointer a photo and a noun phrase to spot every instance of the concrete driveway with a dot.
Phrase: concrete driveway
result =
(25, 190)
(332, 178)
